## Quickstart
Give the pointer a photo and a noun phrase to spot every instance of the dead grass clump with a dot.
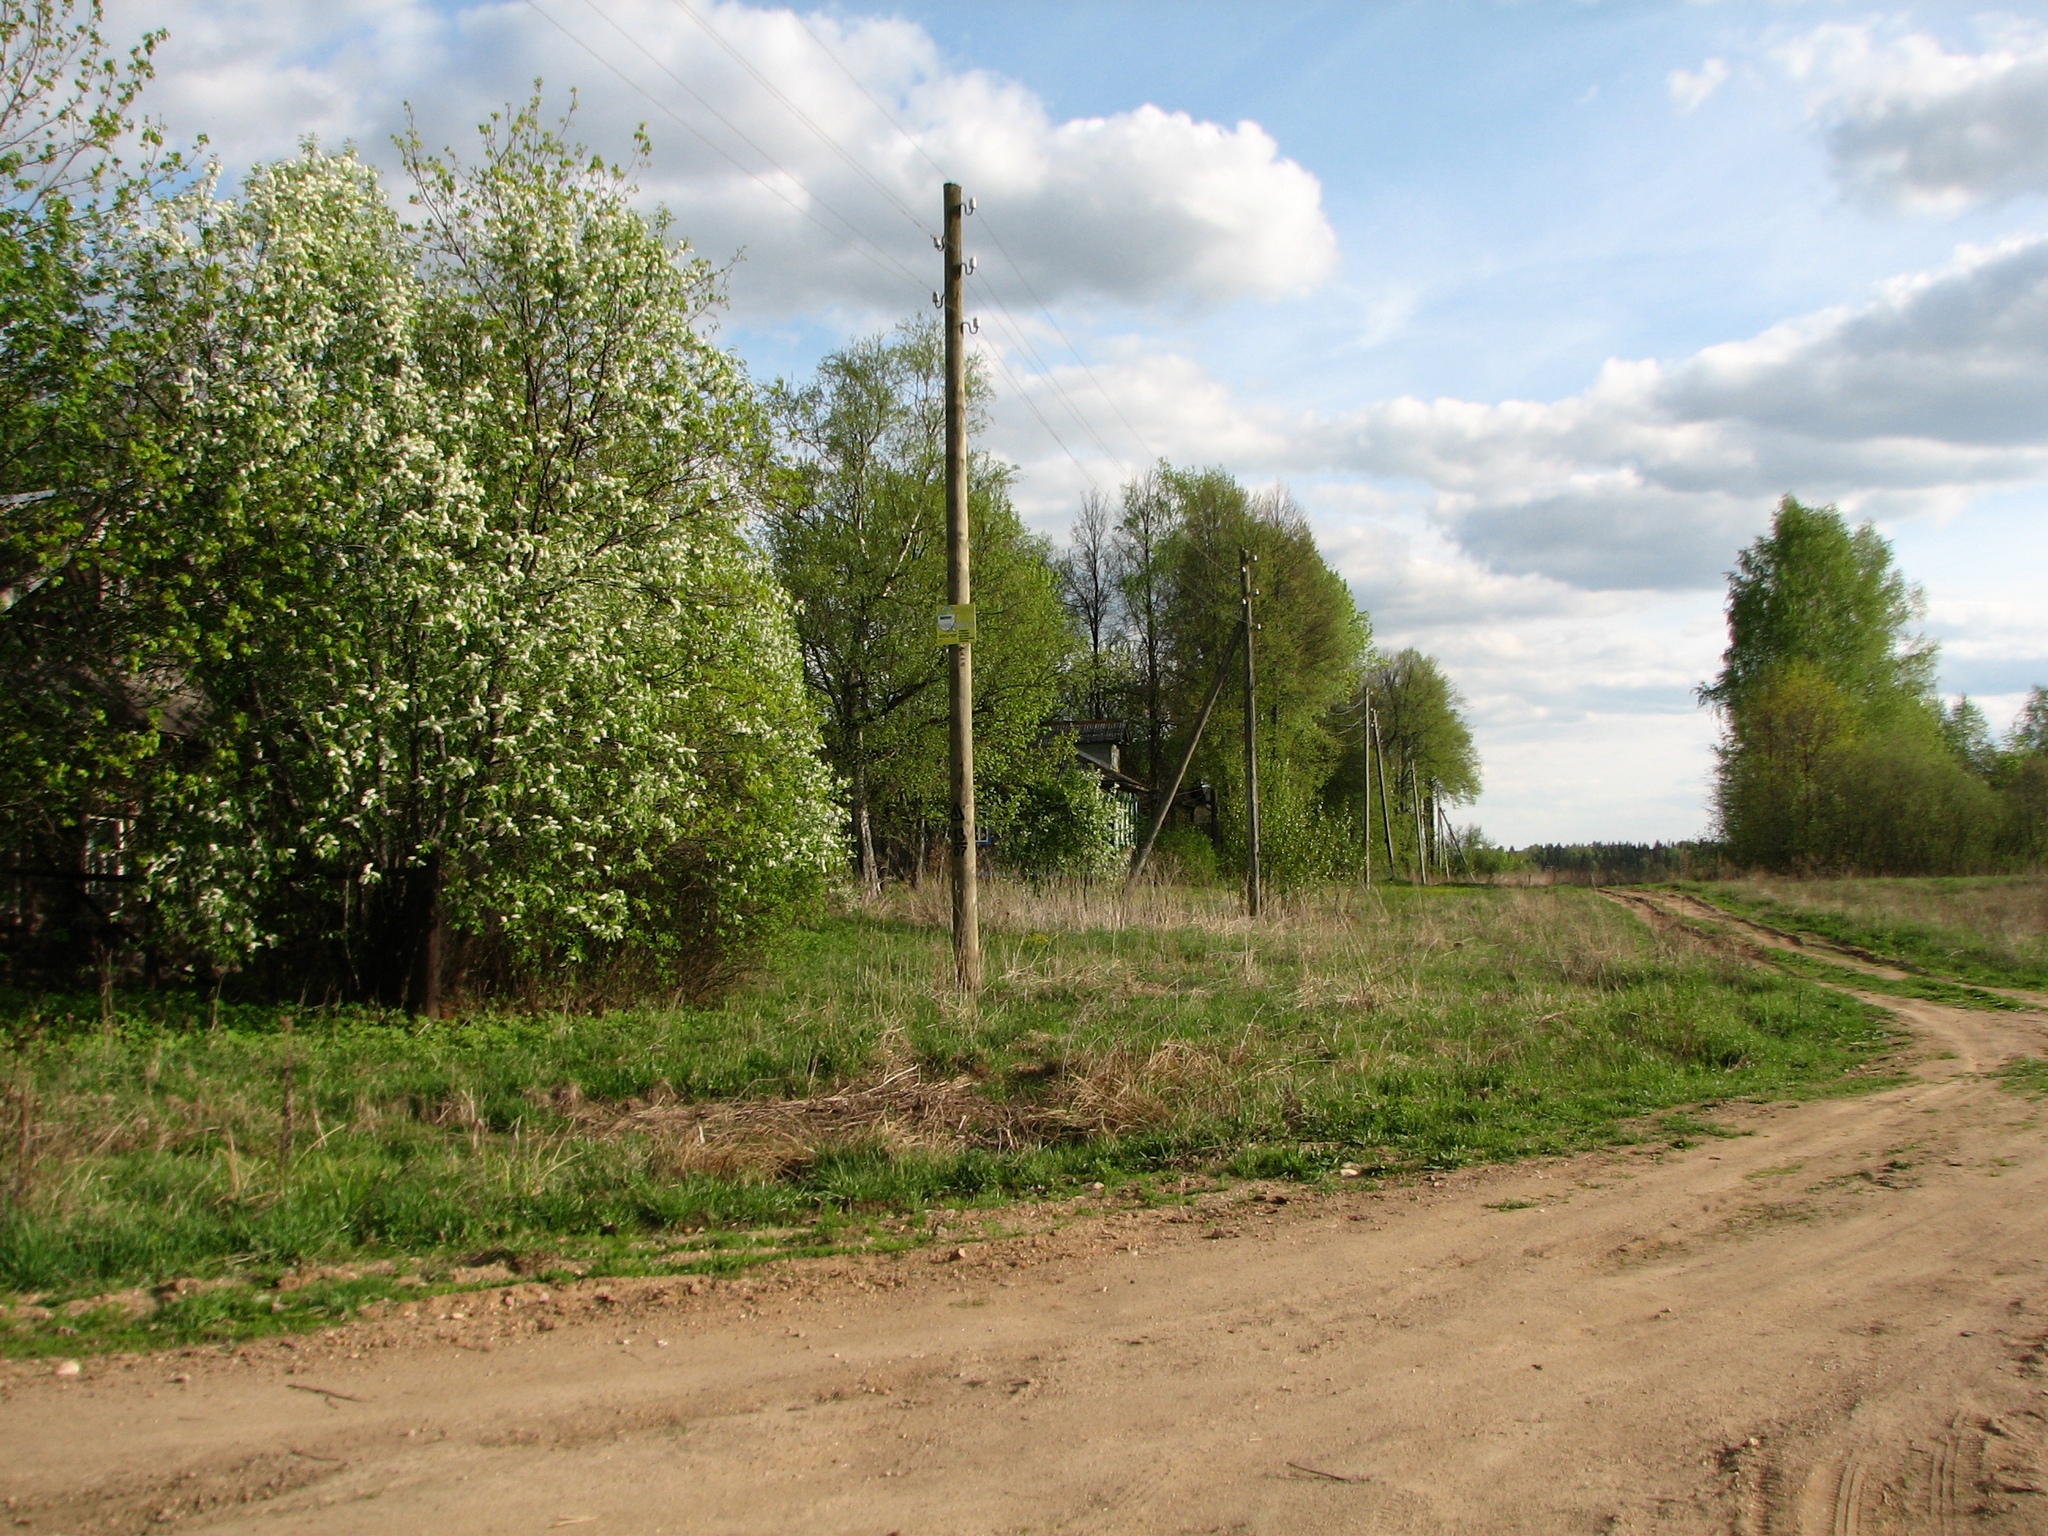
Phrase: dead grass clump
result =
(1122, 1090)
(1105, 1093)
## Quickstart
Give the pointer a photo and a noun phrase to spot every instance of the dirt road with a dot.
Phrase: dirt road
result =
(1835, 1322)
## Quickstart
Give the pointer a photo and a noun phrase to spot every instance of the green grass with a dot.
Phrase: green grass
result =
(2025, 1075)
(1414, 1029)
(1992, 930)
(1923, 988)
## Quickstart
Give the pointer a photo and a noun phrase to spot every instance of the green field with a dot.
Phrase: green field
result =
(846, 1097)
(1988, 929)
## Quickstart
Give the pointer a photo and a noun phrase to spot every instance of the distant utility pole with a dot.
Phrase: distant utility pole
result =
(1386, 805)
(1162, 801)
(1365, 755)
(1415, 805)
(1252, 892)
(956, 624)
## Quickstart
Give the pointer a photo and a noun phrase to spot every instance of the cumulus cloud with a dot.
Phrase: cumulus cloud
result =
(1909, 122)
(1653, 475)
(1690, 88)
(827, 177)
(1912, 402)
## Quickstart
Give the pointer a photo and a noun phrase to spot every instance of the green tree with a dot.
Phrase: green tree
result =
(76, 426)
(1311, 642)
(1968, 735)
(1088, 571)
(857, 531)
(2029, 733)
(1836, 753)
(1813, 591)
(456, 646)
(1426, 749)
(1141, 565)
(2022, 779)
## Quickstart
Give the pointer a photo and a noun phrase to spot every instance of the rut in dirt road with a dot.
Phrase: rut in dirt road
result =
(1832, 1319)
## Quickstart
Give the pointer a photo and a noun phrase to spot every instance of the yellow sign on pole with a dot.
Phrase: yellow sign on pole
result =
(956, 623)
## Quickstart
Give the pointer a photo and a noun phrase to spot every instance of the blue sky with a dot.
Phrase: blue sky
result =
(1535, 307)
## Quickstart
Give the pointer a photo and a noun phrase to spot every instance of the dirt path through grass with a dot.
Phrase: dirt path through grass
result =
(1833, 1320)
(1683, 905)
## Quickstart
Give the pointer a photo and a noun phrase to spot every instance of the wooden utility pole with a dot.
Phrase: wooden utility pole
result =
(1162, 803)
(1252, 892)
(1386, 805)
(1415, 805)
(960, 598)
(1365, 755)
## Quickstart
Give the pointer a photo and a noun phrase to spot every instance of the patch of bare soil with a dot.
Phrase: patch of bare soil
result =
(1833, 1322)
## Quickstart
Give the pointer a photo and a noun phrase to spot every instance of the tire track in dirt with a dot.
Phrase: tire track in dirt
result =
(1833, 1320)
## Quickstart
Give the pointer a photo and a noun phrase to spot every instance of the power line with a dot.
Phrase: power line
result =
(744, 138)
(852, 237)
(997, 358)
(916, 144)
(802, 116)
(1016, 330)
(1108, 398)
(873, 100)
(859, 247)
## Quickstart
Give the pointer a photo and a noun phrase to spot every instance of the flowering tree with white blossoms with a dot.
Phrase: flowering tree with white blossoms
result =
(460, 652)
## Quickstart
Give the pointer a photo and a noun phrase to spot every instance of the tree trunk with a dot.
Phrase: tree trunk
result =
(103, 953)
(863, 825)
(431, 931)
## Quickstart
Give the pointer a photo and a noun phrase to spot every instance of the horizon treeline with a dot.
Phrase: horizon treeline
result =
(1838, 755)
(403, 599)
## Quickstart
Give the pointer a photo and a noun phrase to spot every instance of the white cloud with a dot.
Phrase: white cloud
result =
(1656, 473)
(1690, 88)
(1145, 206)
(1909, 404)
(1909, 122)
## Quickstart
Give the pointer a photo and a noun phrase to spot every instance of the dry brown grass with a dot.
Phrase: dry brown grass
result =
(905, 1109)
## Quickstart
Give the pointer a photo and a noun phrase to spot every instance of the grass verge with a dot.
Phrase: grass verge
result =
(173, 1183)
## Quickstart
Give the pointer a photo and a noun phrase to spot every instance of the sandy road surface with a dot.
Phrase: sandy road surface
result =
(1836, 1322)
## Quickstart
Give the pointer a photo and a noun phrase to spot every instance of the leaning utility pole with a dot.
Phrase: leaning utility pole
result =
(956, 623)
(1386, 806)
(1162, 802)
(1415, 805)
(1365, 756)
(1245, 561)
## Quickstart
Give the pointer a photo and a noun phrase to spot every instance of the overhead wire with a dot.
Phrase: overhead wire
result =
(994, 355)
(916, 144)
(1109, 399)
(801, 116)
(854, 241)
(851, 235)
(742, 135)
(1023, 340)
